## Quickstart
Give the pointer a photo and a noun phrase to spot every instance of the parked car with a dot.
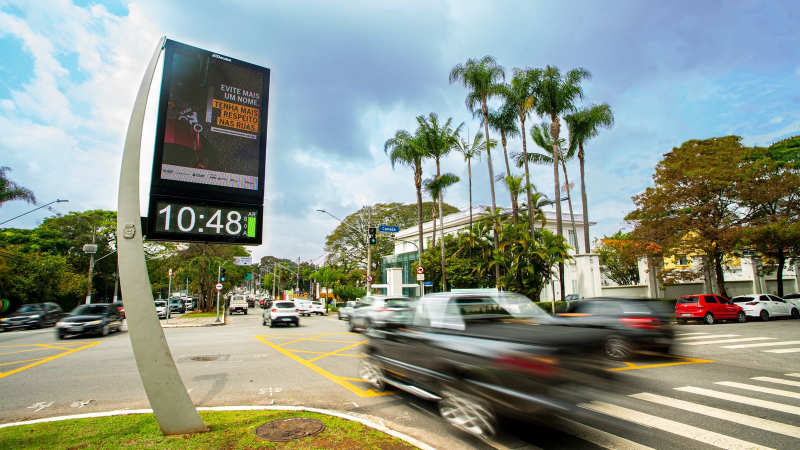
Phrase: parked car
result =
(96, 318)
(479, 357)
(282, 311)
(238, 303)
(177, 305)
(376, 311)
(765, 306)
(621, 325)
(188, 303)
(317, 308)
(708, 309)
(345, 311)
(161, 309)
(33, 315)
(120, 308)
(303, 306)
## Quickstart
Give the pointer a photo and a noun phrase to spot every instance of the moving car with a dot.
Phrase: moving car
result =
(345, 311)
(793, 299)
(376, 311)
(282, 311)
(95, 318)
(303, 306)
(317, 308)
(33, 315)
(120, 308)
(177, 305)
(189, 304)
(765, 306)
(621, 325)
(238, 304)
(707, 308)
(161, 309)
(479, 357)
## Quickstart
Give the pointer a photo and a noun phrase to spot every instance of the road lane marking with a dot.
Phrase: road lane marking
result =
(323, 353)
(84, 346)
(775, 406)
(20, 362)
(728, 341)
(670, 426)
(694, 338)
(777, 380)
(763, 344)
(739, 419)
(23, 351)
(766, 390)
(338, 351)
(684, 360)
(690, 334)
(330, 340)
(597, 437)
(783, 350)
(792, 375)
(301, 340)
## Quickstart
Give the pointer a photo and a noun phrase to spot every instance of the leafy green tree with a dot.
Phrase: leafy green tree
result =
(327, 276)
(619, 258)
(345, 293)
(437, 187)
(504, 121)
(513, 184)
(483, 79)
(10, 191)
(32, 276)
(556, 94)
(584, 125)
(470, 150)
(405, 149)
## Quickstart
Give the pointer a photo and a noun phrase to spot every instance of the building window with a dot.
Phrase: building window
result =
(682, 260)
(572, 241)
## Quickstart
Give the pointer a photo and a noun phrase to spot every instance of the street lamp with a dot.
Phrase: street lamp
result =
(36, 209)
(369, 247)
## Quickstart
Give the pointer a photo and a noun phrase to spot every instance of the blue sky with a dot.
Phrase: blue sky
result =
(347, 74)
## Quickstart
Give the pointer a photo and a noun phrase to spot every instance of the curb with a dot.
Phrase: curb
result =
(369, 423)
(194, 325)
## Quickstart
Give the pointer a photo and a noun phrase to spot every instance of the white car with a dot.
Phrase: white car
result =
(238, 304)
(765, 306)
(303, 306)
(317, 308)
(161, 309)
(345, 311)
(281, 311)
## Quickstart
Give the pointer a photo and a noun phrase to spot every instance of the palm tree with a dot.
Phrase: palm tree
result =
(554, 95)
(504, 121)
(10, 191)
(518, 95)
(541, 137)
(483, 78)
(437, 187)
(584, 125)
(404, 149)
(514, 185)
(471, 150)
(434, 197)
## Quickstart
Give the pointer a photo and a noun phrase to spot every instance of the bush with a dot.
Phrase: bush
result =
(548, 306)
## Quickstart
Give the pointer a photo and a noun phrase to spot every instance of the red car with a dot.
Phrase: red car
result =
(708, 308)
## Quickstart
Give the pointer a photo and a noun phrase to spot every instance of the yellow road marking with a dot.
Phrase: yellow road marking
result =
(50, 358)
(684, 360)
(341, 381)
(301, 340)
(337, 351)
(330, 340)
(20, 362)
(323, 353)
(23, 351)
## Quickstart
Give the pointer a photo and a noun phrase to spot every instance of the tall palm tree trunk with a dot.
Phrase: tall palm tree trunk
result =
(441, 223)
(469, 173)
(584, 203)
(418, 184)
(555, 128)
(527, 174)
(508, 173)
(569, 202)
(433, 214)
(491, 184)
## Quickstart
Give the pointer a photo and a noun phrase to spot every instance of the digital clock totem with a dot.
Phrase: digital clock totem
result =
(207, 181)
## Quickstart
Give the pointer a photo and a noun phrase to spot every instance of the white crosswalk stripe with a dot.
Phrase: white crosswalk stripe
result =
(792, 375)
(740, 419)
(693, 338)
(671, 426)
(778, 380)
(763, 344)
(783, 350)
(775, 406)
(689, 334)
(766, 390)
(597, 437)
(728, 341)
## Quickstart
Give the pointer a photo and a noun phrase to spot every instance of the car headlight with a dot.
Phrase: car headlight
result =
(62, 324)
(95, 322)
(35, 316)
(3, 319)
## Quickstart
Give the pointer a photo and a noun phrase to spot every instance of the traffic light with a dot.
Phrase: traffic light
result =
(222, 274)
(373, 239)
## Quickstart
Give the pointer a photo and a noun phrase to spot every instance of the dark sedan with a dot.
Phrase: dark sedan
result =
(97, 319)
(34, 315)
(623, 325)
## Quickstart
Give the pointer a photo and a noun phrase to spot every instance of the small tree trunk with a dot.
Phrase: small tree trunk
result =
(720, 275)
(441, 222)
(555, 128)
(418, 184)
(781, 263)
(527, 172)
(569, 202)
(491, 185)
(508, 174)
(584, 204)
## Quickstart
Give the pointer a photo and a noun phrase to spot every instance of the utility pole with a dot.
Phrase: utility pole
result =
(274, 273)
(91, 267)
(219, 276)
(169, 294)
(369, 250)
(116, 282)
(297, 283)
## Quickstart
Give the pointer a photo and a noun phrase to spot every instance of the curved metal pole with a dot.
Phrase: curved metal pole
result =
(174, 410)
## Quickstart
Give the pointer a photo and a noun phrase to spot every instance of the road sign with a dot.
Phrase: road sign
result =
(420, 277)
(218, 286)
(388, 229)
(170, 272)
(297, 289)
(369, 278)
(242, 260)
(428, 283)
(420, 269)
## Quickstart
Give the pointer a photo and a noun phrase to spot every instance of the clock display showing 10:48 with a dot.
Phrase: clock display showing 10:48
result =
(206, 220)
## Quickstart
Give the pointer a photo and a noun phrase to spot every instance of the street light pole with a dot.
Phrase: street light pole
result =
(219, 277)
(369, 251)
(91, 250)
(297, 283)
(274, 274)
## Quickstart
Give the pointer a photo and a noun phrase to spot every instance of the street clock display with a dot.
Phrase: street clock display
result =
(207, 181)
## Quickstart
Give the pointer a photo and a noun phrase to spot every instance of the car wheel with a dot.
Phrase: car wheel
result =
(372, 374)
(263, 321)
(708, 319)
(795, 314)
(741, 317)
(271, 325)
(245, 313)
(297, 324)
(340, 315)
(469, 413)
(40, 324)
(764, 315)
(618, 348)
(370, 327)
(350, 326)
(106, 329)
(61, 335)
(681, 321)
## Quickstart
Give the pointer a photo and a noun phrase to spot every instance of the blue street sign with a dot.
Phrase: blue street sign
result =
(388, 229)
(429, 283)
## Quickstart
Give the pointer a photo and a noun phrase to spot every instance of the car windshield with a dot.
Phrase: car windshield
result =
(688, 300)
(284, 305)
(455, 313)
(90, 310)
(30, 308)
(161, 304)
(397, 303)
(741, 299)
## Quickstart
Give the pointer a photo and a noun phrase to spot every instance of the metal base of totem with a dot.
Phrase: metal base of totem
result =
(174, 410)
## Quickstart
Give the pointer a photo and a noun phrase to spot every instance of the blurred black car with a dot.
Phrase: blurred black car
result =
(97, 318)
(622, 325)
(120, 308)
(34, 315)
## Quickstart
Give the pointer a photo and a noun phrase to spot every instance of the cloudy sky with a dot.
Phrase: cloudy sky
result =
(347, 74)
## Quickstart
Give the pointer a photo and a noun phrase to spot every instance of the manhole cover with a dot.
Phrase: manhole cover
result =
(204, 358)
(283, 430)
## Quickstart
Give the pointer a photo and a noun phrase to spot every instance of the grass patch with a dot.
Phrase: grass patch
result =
(228, 430)
(201, 314)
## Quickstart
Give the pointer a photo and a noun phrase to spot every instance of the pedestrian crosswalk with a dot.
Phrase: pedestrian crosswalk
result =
(739, 342)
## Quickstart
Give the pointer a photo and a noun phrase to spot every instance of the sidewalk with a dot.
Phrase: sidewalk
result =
(183, 321)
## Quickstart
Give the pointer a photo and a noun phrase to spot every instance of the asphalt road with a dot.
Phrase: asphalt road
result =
(733, 385)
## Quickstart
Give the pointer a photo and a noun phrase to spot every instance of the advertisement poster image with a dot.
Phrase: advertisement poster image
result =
(212, 133)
